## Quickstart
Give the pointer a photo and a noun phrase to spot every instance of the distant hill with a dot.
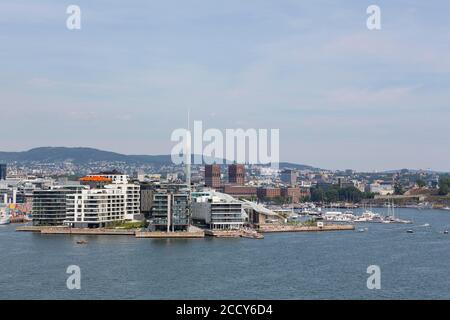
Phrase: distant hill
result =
(78, 155)
(86, 155)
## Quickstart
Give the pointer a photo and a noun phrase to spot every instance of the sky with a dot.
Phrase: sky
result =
(342, 96)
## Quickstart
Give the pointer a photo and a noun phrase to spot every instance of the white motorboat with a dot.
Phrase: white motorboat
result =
(337, 216)
(369, 216)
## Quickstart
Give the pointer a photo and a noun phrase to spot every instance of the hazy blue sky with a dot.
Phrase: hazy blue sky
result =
(341, 95)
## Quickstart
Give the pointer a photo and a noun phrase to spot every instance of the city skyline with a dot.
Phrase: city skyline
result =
(218, 161)
(342, 96)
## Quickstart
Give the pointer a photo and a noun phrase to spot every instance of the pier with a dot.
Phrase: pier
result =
(300, 228)
(192, 233)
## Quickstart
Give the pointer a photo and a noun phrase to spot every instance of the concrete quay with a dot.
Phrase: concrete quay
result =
(177, 234)
(104, 231)
(191, 233)
(75, 231)
(233, 234)
(288, 228)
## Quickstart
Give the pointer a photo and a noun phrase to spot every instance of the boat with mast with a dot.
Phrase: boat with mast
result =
(390, 217)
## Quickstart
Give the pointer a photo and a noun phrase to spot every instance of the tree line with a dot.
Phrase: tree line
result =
(334, 193)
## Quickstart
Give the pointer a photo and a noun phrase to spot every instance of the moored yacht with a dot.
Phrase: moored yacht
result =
(337, 216)
(369, 216)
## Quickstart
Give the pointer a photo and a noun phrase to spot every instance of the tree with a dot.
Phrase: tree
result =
(420, 183)
(398, 190)
(443, 186)
(332, 195)
(317, 195)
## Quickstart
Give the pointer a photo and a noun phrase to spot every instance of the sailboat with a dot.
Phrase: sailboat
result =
(391, 218)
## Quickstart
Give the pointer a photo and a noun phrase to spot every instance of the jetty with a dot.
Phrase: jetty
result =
(302, 228)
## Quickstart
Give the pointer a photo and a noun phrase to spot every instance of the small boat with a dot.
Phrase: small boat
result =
(362, 230)
(409, 231)
(445, 231)
(81, 242)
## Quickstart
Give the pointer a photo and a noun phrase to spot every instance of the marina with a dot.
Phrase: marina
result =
(385, 214)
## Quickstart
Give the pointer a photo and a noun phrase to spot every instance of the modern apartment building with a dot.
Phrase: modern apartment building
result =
(95, 208)
(170, 210)
(49, 207)
(100, 207)
(146, 198)
(217, 210)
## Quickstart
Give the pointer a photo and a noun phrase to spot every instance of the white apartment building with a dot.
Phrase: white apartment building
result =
(100, 207)
(218, 210)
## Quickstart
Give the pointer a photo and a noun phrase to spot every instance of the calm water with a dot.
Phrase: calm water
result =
(282, 266)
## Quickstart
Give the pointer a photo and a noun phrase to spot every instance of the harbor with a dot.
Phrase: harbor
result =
(197, 233)
(290, 265)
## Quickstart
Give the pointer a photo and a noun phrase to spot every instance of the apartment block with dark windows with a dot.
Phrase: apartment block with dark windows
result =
(49, 207)
(170, 211)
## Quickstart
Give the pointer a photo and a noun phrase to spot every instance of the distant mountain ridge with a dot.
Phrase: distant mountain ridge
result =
(81, 155)
(77, 155)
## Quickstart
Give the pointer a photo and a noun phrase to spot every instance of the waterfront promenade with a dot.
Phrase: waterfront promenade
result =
(192, 233)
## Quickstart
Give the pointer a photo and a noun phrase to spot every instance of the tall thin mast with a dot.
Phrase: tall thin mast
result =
(188, 153)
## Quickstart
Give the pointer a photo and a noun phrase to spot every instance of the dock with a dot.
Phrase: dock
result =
(75, 231)
(191, 233)
(105, 231)
(176, 234)
(234, 234)
(288, 228)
